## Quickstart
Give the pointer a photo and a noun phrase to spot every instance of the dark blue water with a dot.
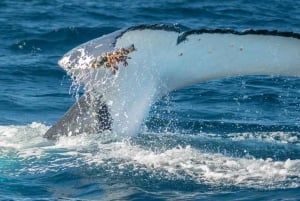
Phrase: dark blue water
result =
(230, 139)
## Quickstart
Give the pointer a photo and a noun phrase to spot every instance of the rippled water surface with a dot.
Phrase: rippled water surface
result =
(230, 139)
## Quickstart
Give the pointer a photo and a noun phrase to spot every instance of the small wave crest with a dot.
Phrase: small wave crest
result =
(277, 137)
(23, 141)
(268, 137)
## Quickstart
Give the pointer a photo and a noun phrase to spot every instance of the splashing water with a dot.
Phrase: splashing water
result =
(24, 149)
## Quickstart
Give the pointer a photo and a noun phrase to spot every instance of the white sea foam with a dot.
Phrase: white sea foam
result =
(278, 137)
(272, 137)
(29, 148)
(210, 168)
(24, 140)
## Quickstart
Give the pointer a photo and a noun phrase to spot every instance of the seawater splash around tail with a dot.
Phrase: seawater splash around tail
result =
(166, 59)
(24, 151)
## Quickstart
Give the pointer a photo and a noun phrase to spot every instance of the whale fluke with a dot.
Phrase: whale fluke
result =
(85, 116)
(121, 83)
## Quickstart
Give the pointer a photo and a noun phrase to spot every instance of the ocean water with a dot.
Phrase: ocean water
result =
(229, 139)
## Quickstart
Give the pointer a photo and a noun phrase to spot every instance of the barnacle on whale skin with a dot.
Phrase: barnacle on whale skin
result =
(112, 59)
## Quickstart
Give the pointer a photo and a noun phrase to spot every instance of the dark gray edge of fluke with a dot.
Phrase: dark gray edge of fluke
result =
(81, 108)
(165, 27)
(183, 35)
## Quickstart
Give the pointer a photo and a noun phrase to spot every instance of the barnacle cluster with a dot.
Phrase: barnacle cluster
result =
(112, 59)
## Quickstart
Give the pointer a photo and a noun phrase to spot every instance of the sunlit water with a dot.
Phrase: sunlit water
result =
(228, 139)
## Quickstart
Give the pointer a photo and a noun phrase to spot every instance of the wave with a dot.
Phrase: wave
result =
(277, 137)
(24, 151)
(58, 40)
(196, 123)
(215, 169)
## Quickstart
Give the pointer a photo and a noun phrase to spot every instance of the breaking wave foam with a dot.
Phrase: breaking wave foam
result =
(25, 145)
(216, 169)
(279, 137)
(272, 137)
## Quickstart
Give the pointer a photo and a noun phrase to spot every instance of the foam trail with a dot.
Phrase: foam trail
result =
(23, 151)
(166, 60)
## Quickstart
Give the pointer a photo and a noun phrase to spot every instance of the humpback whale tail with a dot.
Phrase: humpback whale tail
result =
(124, 72)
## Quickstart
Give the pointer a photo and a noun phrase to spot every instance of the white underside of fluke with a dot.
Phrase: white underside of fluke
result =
(160, 65)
